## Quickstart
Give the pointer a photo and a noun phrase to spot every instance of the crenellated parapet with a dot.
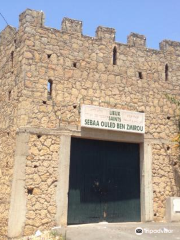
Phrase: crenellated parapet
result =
(31, 18)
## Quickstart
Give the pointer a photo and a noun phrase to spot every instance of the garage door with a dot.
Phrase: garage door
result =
(104, 182)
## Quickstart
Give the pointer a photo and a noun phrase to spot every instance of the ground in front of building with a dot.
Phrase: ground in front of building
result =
(124, 231)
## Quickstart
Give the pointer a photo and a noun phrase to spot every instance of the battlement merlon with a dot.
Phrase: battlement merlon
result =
(7, 35)
(71, 25)
(136, 40)
(105, 33)
(169, 45)
(31, 17)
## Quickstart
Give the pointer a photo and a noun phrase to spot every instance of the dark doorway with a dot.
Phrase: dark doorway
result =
(104, 183)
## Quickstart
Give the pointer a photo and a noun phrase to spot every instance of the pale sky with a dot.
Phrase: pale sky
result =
(156, 19)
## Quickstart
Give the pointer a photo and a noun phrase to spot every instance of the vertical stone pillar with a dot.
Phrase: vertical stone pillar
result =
(146, 182)
(17, 212)
(63, 180)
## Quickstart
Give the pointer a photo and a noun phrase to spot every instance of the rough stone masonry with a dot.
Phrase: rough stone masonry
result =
(45, 76)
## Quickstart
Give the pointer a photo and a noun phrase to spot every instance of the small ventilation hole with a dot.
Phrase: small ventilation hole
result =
(140, 75)
(74, 106)
(168, 118)
(49, 56)
(44, 102)
(39, 136)
(74, 64)
(30, 191)
(35, 166)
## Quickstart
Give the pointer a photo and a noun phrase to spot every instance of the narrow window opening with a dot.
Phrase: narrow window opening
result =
(74, 106)
(9, 95)
(30, 191)
(166, 72)
(50, 83)
(35, 166)
(49, 56)
(44, 102)
(140, 75)
(75, 65)
(114, 56)
(12, 58)
(168, 148)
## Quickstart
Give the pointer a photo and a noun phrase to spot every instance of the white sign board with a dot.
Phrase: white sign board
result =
(112, 119)
(176, 205)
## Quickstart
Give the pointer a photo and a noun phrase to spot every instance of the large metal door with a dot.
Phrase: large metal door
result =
(104, 183)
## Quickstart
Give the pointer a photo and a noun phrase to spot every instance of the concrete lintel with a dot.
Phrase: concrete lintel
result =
(17, 212)
(111, 135)
(76, 130)
(88, 132)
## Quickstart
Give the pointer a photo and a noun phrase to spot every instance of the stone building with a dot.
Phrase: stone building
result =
(54, 170)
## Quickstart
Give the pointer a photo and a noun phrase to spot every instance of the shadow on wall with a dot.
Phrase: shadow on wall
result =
(177, 180)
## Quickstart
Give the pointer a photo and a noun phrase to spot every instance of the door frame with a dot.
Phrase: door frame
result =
(146, 190)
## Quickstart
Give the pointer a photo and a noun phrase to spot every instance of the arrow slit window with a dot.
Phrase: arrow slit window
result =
(114, 56)
(49, 86)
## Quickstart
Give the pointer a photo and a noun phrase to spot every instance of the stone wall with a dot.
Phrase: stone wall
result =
(6, 166)
(10, 92)
(81, 71)
(166, 177)
(41, 182)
